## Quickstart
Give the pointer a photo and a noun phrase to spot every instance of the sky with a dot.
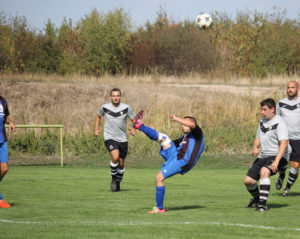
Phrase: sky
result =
(38, 11)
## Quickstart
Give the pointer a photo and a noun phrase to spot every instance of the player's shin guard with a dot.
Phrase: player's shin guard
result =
(119, 175)
(114, 169)
(293, 175)
(265, 186)
(151, 133)
(160, 194)
(253, 190)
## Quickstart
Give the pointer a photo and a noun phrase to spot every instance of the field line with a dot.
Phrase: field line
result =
(101, 223)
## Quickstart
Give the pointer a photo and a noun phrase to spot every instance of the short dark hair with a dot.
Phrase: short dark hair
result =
(191, 118)
(114, 89)
(268, 102)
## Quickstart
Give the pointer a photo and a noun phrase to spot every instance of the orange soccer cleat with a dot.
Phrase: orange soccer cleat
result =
(156, 210)
(4, 204)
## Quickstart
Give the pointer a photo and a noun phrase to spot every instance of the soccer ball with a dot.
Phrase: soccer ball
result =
(204, 20)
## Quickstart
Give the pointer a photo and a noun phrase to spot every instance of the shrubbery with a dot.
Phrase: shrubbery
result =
(254, 44)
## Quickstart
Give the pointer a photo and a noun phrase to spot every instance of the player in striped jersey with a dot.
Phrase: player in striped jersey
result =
(181, 155)
(115, 136)
(272, 138)
(289, 109)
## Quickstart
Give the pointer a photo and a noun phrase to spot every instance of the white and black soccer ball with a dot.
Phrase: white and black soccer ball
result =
(204, 20)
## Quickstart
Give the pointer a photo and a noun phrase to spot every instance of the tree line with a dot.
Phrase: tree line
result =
(252, 44)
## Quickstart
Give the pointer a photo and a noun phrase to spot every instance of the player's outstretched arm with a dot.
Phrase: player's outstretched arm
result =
(97, 122)
(187, 122)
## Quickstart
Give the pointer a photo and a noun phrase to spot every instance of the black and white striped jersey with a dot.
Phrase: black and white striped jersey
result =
(115, 121)
(289, 110)
(270, 133)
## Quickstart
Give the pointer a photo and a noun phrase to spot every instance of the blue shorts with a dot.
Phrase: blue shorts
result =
(172, 165)
(3, 152)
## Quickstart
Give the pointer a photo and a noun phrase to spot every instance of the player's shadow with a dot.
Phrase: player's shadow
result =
(188, 207)
(129, 190)
(277, 205)
(122, 190)
(293, 194)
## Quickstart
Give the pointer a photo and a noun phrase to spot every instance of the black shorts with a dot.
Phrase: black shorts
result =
(254, 170)
(121, 146)
(295, 155)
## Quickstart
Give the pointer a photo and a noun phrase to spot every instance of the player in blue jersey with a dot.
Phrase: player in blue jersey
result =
(4, 113)
(181, 154)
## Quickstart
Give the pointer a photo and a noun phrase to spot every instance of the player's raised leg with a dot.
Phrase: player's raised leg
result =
(152, 134)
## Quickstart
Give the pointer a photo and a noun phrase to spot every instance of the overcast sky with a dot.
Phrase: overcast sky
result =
(38, 11)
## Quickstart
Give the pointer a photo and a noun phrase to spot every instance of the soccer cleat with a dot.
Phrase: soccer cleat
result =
(279, 183)
(262, 207)
(253, 203)
(138, 120)
(118, 186)
(113, 185)
(156, 210)
(286, 193)
(4, 204)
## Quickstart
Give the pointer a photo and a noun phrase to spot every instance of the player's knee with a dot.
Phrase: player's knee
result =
(121, 164)
(4, 170)
(163, 139)
(295, 165)
(249, 181)
(264, 172)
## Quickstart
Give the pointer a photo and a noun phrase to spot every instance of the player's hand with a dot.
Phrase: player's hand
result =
(12, 126)
(255, 151)
(96, 133)
(274, 167)
(132, 131)
(173, 117)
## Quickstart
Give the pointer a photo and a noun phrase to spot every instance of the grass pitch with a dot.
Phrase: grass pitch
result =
(76, 202)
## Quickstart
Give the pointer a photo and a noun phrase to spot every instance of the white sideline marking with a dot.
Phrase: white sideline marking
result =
(18, 222)
(99, 223)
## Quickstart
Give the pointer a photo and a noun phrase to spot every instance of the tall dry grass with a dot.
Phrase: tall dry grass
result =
(228, 113)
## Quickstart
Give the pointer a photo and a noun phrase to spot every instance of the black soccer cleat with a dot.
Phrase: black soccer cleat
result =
(286, 193)
(262, 207)
(279, 183)
(118, 186)
(114, 185)
(253, 203)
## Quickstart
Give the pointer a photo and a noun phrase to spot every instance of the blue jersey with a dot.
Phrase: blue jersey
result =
(189, 148)
(3, 115)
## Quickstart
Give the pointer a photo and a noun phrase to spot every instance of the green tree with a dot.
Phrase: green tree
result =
(50, 56)
(106, 40)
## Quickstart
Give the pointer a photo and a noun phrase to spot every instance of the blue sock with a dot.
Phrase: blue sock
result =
(151, 133)
(160, 194)
(0, 196)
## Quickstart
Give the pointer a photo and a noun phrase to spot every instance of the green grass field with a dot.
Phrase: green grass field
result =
(76, 202)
